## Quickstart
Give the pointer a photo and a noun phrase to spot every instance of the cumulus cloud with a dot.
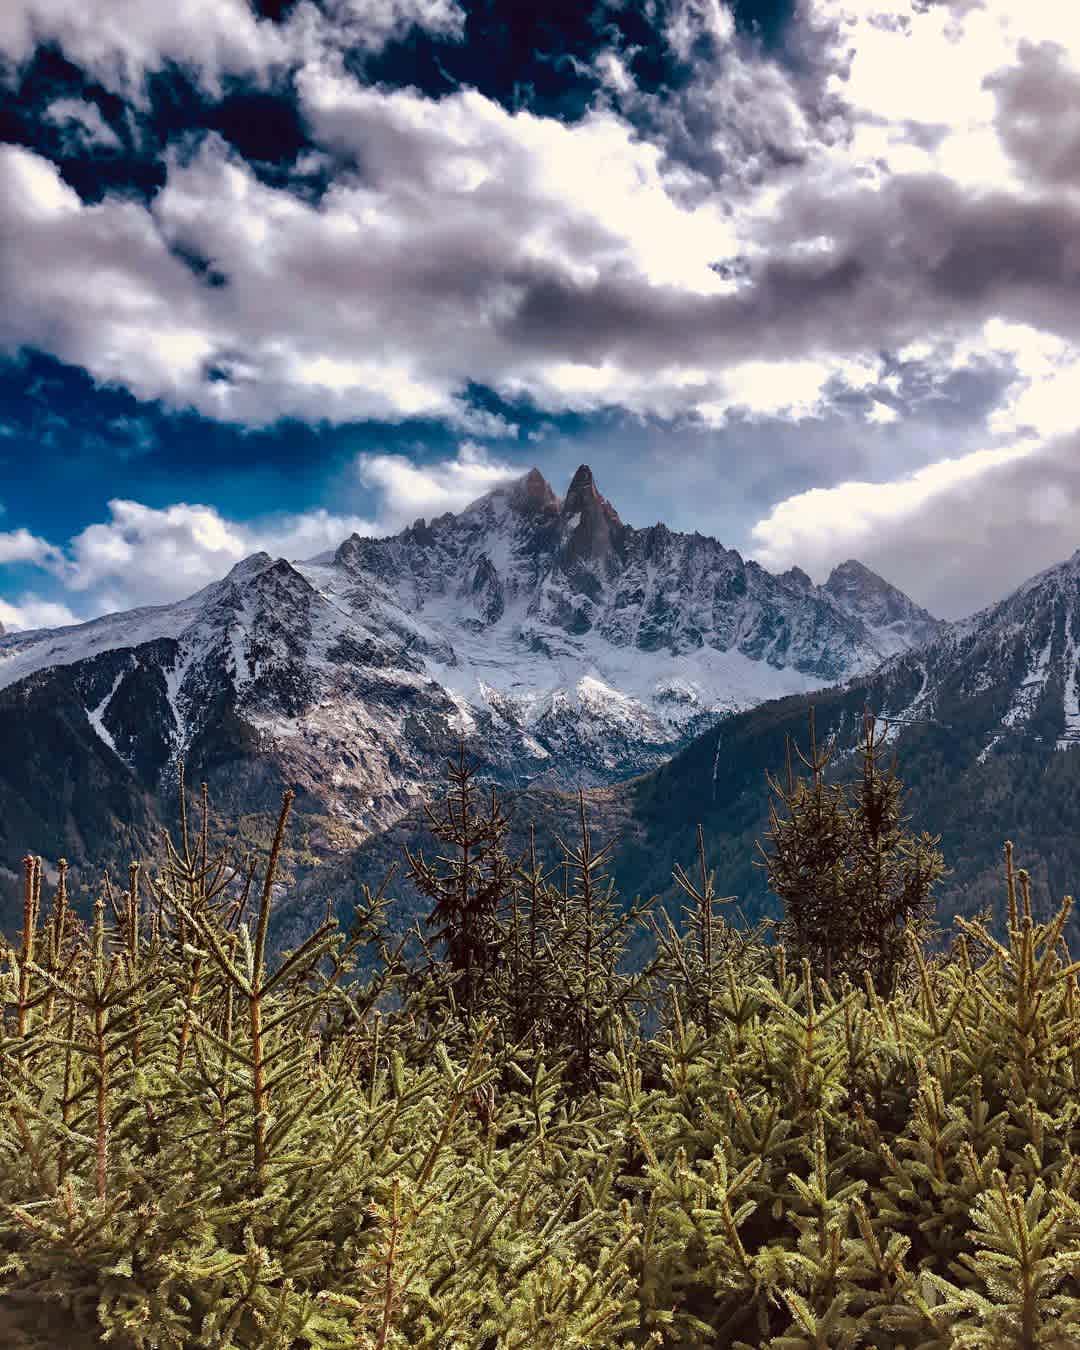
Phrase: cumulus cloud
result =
(144, 555)
(30, 611)
(580, 267)
(1037, 114)
(409, 490)
(20, 546)
(149, 555)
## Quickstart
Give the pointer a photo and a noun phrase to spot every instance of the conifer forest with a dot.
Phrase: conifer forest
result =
(546, 1116)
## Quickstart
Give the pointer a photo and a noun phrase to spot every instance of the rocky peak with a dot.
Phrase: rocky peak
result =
(797, 577)
(595, 530)
(533, 494)
(864, 594)
(852, 573)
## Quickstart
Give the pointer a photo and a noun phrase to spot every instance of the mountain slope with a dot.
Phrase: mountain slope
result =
(561, 643)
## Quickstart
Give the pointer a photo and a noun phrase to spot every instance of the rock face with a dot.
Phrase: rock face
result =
(558, 641)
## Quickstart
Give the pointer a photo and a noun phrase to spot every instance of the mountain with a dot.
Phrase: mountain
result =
(985, 723)
(559, 642)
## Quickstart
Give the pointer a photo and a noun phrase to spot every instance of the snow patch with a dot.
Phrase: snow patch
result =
(1031, 687)
(95, 716)
(1071, 732)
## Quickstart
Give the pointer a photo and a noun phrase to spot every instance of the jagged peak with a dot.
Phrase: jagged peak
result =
(533, 492)
(584, 497)
(861, 591)
(797, 577)
(582, 481)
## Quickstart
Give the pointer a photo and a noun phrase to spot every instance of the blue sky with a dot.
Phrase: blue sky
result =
(802, 276)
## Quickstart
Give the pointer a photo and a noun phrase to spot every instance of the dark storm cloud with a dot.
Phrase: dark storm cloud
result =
(918, 253)
(1038, 114)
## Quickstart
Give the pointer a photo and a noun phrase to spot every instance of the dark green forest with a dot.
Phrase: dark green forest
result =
(541, 1116)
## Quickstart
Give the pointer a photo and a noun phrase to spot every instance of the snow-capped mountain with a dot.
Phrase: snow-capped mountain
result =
(982, 718)
(556, 639)
(1010, 671)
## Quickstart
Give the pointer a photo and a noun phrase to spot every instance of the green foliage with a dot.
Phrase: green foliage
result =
(204, 1147)
(852, 879)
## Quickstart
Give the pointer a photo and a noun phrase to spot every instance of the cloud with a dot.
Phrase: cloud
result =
(120, 42)
(578, 267)
(20, 546)
(144, 555)
(148, 555)
(957, 535)
(1037, 114)
(33, 612)
(410, 490)
(83, 125)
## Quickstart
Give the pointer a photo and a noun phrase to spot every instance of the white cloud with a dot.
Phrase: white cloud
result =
(385, 300)
(159, 554)
(905, 66)
(83, 124)
(120, 42)
(20, 546)
(820, 524)
(882, 413)
(687, 20)
(409, 490)
(793, 390)
(956, 535)
(33, 612)
(571, 265)
(151, 555)
(144, 555)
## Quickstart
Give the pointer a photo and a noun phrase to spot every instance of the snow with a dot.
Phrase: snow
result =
(95, 716)
(984, 753)
(1031, 687)
(557, 697)
(1071, 733)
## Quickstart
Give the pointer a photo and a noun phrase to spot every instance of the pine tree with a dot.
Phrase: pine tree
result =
(852, 878)
(805, 864)
(891, 872)
(587, 947)
(469, 887)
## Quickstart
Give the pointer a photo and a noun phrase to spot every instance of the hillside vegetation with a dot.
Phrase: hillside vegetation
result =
(497, 1130)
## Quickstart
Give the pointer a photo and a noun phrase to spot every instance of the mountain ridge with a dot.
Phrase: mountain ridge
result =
(562, 644)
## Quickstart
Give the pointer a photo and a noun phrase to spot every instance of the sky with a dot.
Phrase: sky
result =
(800, 274)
